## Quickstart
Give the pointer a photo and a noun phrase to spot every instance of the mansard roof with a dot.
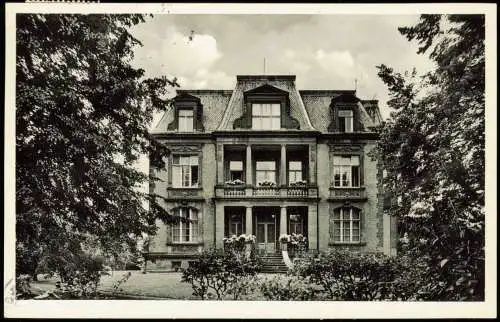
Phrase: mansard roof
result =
(311, 108)
(270, 83)
(319, 103)
(214, 103)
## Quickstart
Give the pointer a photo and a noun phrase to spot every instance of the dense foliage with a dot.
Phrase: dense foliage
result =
(432, 148)
(352, 276)
(215, 273)
(289, 288)
(82, 118)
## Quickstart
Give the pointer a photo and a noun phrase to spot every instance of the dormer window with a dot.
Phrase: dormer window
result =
(266, 108)
(186, 120)
(346, 121)
(266, 116)
(188, 114)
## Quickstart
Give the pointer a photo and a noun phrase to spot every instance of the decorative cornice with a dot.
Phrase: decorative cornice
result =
(345, 147)
(277, 133)
(185, 148)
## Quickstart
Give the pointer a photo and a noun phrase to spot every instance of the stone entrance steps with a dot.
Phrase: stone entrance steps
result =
(273, 263)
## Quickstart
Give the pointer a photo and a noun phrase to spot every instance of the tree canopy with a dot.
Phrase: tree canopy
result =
(82, 119)
(432, 148)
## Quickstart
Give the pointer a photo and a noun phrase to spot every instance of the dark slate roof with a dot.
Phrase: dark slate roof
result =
(214, 103)
(317, 103)
(311, 108)
(248, 82)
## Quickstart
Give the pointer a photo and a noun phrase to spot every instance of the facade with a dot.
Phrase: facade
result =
(267, 159)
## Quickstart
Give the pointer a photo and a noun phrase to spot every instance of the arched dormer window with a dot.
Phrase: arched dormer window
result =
(185, 232)
(347, 225)
(188, 114)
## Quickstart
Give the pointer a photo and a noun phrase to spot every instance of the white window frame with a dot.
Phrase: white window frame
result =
(294, 172)
(234, 166)
(347, 219)
(341, 166)
(185, 168)
(348, 117)
(186, 122)
(265, 171)
(182, 227)
(266, 113)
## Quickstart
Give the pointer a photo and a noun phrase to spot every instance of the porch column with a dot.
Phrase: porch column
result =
(248, 221)
(312, 227)
(283, 166)
(312, 163)
(283, 222)
(220, 163)
(219, 225)
(249, 177)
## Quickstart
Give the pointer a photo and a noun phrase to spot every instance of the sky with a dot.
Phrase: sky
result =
(324, 51)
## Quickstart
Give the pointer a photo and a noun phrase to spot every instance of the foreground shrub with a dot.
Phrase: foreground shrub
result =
(353, 276)
(290, 288)
(23, 287)
(218, 271)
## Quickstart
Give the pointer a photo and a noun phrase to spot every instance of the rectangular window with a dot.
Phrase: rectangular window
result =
(236, 170)
(346, 171)
(266, 116)
(185, 231)
(345, 121)
(265, 171)
(296, 224)
(185, 171)
(235, 225)
(185, 120)
(346, 225)
(294, 171)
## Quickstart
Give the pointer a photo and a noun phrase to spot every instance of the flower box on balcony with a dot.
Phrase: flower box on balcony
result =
(236, 182)
(267, 184)
(298, 184)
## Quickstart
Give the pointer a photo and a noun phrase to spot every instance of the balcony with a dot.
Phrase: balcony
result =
(341, 194)
(248, 191)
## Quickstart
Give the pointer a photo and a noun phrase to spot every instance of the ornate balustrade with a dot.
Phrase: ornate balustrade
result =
(231, 191)
(347, 193)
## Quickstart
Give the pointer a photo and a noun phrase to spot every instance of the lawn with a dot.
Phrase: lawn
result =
(162, 285)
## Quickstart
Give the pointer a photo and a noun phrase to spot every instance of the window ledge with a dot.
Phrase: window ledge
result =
(184, 188)
(346, 244)
(346, 188)
(185, 243)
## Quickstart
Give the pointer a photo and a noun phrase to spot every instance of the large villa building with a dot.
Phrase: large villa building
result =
(268, 159)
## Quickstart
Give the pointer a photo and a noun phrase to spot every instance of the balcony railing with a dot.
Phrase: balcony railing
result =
(234, 191)
(231, 191)
(266, 191)
(357, 193)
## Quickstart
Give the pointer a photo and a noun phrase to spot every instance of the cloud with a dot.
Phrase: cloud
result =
(174, 54)
(204, 78)
(341, 63)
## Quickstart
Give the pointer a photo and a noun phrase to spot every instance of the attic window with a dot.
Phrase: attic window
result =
(186, 120)
(345, 120)
(266, 116)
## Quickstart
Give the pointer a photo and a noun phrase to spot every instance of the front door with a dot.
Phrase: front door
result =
(266, 236)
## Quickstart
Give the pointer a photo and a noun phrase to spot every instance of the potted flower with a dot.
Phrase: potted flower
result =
(267, 183)
(301, 183)
(284, 240)
(235, 182)
(297, 243)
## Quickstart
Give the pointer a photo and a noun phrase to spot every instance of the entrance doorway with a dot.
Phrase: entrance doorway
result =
(266, 228)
